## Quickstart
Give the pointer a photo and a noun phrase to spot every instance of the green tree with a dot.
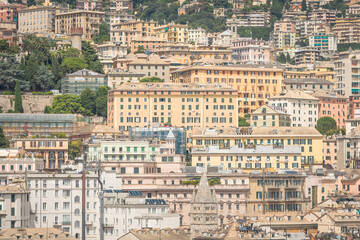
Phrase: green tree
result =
(30, 69)
(47, 109)
(70, 52)
(44, 79)
(88, 101)
(75, 149)
(282, 58)
(10, 72)
(90, 56)
(140, 49)
(67, 104)
(18, 100)
(31, 3)
(151, 79)
(276, 9)
(104, 33)
(303, 5)
(4, 142)
(73, 64)
(56, 72)
(288, 58)
(101, 101)
(4, 45)
(325, 124)
(242, 122)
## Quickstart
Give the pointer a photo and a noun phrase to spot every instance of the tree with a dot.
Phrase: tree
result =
(30, 69)
(18, 100)
(243, 123)
(282, 58)
(276, 9)
(47, 109)
(43, 80)
(140, 49)
(288, 58)
(91, 58)
(4, 142)
(104, 33)
(67, 104)
(73, 64)
(75, 149)
(31, 3)
(325, 124)
(10, 72)
(56, 72)
(4, 45)
(303, 5)
(151, 79)
(101, 101)
(70, 52)
(88, 101)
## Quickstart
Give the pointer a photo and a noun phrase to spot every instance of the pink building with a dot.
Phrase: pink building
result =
(350, 182)
(334, 106)
(330, 151)
(13, 160)
(251, 50)
(285, 26)
(89, 5)
(121, 6)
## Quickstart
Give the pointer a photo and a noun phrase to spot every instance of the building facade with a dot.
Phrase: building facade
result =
(270, 116)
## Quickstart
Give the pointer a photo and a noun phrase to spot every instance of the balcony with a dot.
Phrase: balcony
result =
(108, 225)
(89, 223)
(2, 212)
(66, 223)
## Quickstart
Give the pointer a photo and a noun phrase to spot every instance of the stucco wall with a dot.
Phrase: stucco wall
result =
(31, 103)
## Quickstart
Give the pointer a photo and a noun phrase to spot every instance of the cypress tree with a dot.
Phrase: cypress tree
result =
(18, 100)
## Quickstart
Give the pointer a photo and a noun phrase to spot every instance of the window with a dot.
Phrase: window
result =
(12, 211)
(12, 197)
(136, 170)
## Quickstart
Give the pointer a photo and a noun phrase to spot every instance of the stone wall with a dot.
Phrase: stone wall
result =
(31, 103)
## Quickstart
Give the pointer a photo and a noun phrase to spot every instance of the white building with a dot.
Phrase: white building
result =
(126, 211)
(198, 36)
(111, 50)
(323, 42)
(302, 107)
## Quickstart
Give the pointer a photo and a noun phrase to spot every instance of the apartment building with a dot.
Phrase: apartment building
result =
(149, 65)
(251, 50)
(270, 116)
(148, 43)
(308, 84)
(89, 5)
(116, 77)
(347, 70)
(10, 12)
(308, 27)
(277, 193)
(111, 50)
(320, 70)
(77, 82)
(198, 36)
(254, 83)
(306, 55)
(353, 9)
(145, 28)
(172, 32)
(348, 151)
(326, 15)
(302, 107)
(15, 207)
(323, 42)
(123, 6)
(308, 138)
(250, 19)
(182, 105)
(54, 151)
(284, 34)
(247, 158)
(38, 19)
(89, 21)
(320, 188)
(333, 105)
(347, 30)
(354, 106)
(329, 151)
(123, 37)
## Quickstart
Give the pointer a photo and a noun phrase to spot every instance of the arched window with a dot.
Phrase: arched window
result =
(77, 224)
(77, 211)
(77, 199)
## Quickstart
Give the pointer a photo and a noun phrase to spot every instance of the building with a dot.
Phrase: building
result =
(247, 158)
(254, 83)
(89, 21)
(111, 50)
(182, 105)
(350, 182)
(123, 37)
(144, 28)
(35, 233)
(324, 42)
(77, 82)
(302, 107)
(306, 55)
(20, 124)
(15, 207)
(354, 107)
(347, 30)
(353, 9)
(332, 105)
(89, 5)
(204, 209)
(198, 36)
(284, 34)
(308, 84)
(148, 43)
(124, 6)
(14, 161)
(320, 188)
(250, 19)
(251, 50)
(329, 151)
(150, 66)
(54, 151)
(116, 77)
(327, 15)
(348, 149)
(324, 70)
(10, 12)
(270, 116)
(310, 140)
(172, 32)
(309, 27)
(38, 19)
(347, 70)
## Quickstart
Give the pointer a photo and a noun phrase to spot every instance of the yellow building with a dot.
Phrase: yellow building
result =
(270, 116)
(182, 105)
(172, 32)
(308, 138)
(248, 157)
(145, 28)
(324, 71)
(254, 83)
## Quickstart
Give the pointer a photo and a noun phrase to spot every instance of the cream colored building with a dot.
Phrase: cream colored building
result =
(270, 116)
(254, 83)
(308, 138)
(172, 32)
(38, 19)
(183, 105)
(248, 157)
(145, 28)
(89, 21)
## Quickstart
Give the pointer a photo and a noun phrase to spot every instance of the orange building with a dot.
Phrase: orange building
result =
(354, 107)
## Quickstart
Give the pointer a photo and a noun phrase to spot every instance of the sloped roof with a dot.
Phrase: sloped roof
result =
(85, 72)
(294, 94)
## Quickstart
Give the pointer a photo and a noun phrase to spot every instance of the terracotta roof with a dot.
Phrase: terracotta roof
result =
(35, 233)
(294, 94)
